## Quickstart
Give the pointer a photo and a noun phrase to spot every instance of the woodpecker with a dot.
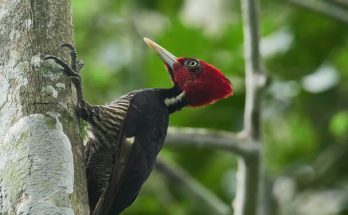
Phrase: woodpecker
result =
(127, 134)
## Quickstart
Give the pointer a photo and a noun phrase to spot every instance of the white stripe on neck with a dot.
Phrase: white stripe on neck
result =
(174, 100)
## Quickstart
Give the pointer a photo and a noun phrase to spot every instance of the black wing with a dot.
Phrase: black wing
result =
(106, 144)
(143, 133)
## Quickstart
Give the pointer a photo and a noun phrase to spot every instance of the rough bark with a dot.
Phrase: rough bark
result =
(41, 168)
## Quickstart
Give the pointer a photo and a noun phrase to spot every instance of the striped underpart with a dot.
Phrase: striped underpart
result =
(103, 145)
(106, 121)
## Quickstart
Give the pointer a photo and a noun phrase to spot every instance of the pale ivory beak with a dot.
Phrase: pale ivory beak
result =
(166, 56)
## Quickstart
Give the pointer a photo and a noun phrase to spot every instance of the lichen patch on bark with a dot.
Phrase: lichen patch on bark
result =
(36, 163)
(49, 92)
(35, 60)
(11, 83)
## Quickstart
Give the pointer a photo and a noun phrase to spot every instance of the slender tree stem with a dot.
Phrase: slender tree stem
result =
(208, 200)
(248, 175)
(324, 7)
(200, 137)
(255, 77)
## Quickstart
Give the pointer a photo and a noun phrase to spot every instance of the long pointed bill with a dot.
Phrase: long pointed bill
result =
(166, 56)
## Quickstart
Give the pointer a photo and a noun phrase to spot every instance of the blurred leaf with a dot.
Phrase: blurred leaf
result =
(339, 124)
(289, 141)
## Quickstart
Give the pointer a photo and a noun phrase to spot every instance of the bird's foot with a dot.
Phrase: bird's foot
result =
(72, 71)
(75, 66)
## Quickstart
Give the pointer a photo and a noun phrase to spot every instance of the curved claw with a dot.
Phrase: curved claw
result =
(69, 46)
(75, 79)
(73, 54)
(73, 72)
(79, 65)
(65, 66)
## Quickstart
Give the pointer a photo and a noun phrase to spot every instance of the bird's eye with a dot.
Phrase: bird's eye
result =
(192, 65)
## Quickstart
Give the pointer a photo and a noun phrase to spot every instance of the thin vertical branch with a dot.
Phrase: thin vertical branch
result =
(255, 77)
(248, 175)
(246, 200)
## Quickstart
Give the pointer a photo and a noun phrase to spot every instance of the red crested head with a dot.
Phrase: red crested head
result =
(201, 82)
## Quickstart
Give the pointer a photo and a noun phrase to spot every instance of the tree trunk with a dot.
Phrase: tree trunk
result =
(41, 154)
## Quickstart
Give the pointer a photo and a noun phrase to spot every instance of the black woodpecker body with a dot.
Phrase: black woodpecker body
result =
(126, 136)
(137, 122)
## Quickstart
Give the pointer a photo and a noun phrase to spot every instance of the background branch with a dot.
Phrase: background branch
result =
(248, 174)
(200, 137)
(177, 176)
(324, 7)
(342, 3)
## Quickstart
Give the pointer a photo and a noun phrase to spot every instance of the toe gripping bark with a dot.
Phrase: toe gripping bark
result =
(73, 72)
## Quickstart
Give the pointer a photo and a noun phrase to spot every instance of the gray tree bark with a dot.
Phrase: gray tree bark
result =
(41, 155)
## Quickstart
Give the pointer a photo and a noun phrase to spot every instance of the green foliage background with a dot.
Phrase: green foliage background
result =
(301, 125)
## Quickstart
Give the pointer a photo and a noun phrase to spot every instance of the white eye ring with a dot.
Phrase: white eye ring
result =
(193, 64)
